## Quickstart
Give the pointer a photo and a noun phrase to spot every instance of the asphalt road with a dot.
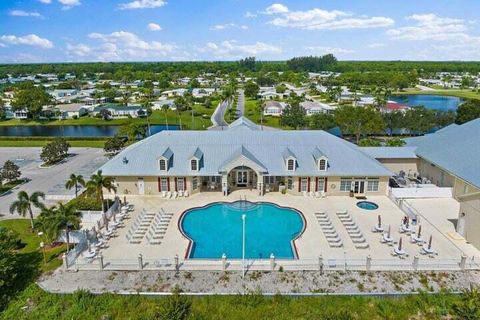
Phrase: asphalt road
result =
(241, 103)
(51, 180)
(218, 116)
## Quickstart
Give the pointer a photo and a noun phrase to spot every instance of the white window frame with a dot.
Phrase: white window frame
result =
(373, 185)
(304, 184)
(194, 183)
(163, 184)
(192, 161)
(181, 186)
(290, 183)
(321, 184)
(322, 164)
(160, 164)
(346, 184)
(293, 164)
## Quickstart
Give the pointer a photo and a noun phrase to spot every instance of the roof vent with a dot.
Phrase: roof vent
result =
(125, 160)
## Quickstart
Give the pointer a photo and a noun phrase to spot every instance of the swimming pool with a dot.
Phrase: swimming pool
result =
(216, 229)
(367, 205)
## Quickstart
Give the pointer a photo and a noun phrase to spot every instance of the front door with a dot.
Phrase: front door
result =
(359, 187)
(141, 186)
(242, 178)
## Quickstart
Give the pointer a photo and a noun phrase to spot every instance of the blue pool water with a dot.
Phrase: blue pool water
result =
(442, 103)
(217, 229)
(367, 205)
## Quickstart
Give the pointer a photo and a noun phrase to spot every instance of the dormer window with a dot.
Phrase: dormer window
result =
(194, 165)
(322, 165)
(291, 164)
(162, 164)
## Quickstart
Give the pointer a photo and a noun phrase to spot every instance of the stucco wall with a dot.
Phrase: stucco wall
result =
(470, 207)
(409, 166)
(435, 174)
(129, 185)
(462, 188)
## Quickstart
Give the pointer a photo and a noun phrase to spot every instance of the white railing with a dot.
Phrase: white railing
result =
(319, 264)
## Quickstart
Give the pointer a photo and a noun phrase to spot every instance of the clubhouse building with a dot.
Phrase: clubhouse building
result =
(308, 162)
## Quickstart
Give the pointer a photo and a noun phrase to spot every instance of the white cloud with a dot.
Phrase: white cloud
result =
(28, 40)
(79, 50)
(232, 49)
(123, 45)
(142, 4)
(319, 19)
(276, 8)
(67, 4)
(332, 50)
(433, 32)
(248, 14)
(430, 27)
(21, 13)
(219, 27)
(154, 27)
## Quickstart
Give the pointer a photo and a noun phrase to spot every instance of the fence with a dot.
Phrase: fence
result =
(321, 263)
(422, 192)
(82, 237)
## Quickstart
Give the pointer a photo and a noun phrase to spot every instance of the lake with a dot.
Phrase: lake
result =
(70, 131)
(442, 103)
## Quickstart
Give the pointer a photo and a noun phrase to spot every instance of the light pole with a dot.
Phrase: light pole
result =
(42, 247)
(243, 245)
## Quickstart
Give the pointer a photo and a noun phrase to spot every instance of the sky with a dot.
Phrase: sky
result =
(180, 30)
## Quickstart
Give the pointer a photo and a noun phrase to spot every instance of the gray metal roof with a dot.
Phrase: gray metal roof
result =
(266, 148)
(456, 150)
(390, 152)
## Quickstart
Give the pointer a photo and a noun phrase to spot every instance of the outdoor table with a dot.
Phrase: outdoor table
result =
(428, 251)
(90, 254)
(386, 238)
(406, 229)
(418, 240)
(378, 229)
(400, 252)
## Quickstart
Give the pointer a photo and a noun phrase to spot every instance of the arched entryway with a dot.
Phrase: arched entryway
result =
(243, 177)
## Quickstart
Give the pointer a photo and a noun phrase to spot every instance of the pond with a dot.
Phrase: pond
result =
(70, 131)
(435, 102)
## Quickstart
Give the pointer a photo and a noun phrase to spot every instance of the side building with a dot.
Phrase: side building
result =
(243, 156)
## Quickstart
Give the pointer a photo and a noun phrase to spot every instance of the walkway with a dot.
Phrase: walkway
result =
(241, 103)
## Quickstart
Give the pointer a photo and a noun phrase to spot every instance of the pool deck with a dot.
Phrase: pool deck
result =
(435, 221)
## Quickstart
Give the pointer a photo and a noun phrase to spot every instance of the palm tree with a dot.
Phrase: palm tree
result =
(53, 220)
(96, 185)
(260, 108)
(165, 108)
(74, 181)
(25, 202)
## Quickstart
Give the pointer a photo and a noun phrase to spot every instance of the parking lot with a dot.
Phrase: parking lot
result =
(50, 180)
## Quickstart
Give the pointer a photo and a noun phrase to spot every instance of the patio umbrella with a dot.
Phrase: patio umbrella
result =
(124, 200)
(419, 231)
(400, 244)
(89, 246)
(114, 217)
(379, 221)
(389, 231)
(430, 243)
(106, 223)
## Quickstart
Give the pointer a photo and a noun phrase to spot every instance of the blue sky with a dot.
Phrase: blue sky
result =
(169, 30)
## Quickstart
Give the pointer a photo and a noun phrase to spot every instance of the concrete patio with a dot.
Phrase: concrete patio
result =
(311, 245)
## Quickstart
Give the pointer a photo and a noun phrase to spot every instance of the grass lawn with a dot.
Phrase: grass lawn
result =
(252, 113)
(32, 241)
(41, 143)
(7, 186)
(201, 119)
(36, 304)
(466, 94)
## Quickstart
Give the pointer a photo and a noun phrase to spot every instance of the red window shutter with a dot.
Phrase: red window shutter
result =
(168, 183)
(325, 184)
(159, 185)
(308, 184)
(316, 184)
(176, 188)
(299, 184)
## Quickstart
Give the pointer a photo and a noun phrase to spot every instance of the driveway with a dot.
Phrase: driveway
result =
(51, 180)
